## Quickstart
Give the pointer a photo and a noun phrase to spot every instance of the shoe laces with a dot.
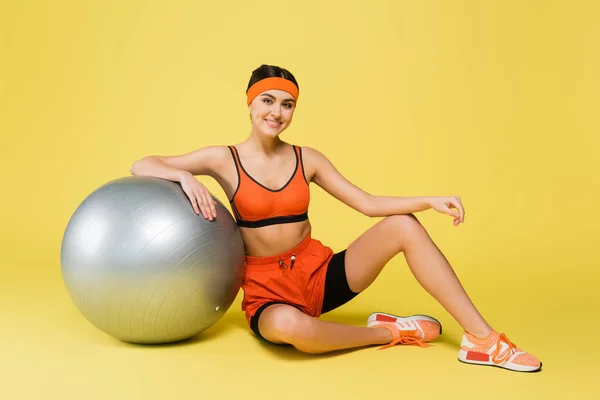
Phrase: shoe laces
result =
(512, 348)
(402, 337)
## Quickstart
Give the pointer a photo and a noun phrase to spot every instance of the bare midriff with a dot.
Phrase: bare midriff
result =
(274, 239)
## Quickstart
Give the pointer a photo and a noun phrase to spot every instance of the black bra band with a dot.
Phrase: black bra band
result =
(273, 221)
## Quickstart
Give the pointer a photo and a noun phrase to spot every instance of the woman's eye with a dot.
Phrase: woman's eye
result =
(288, 105)
(266, 100)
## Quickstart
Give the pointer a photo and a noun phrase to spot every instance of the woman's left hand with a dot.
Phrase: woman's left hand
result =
(450, 205)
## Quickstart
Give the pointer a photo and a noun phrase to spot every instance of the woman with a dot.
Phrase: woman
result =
(292, 278)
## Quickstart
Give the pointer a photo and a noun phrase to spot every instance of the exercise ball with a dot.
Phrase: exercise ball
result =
(142, 267)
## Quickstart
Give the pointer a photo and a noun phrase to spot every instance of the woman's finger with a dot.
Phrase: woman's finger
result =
(203, 209)
(449, 210)
(454, 207)
(198, 198)
(461, 209)
(195, 205)
(191, 196)
(211, 205)
(202, 202)
(207, 205)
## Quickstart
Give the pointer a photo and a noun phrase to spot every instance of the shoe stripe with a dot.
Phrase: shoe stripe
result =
(477, 356)
(404, 325)
(384, 318)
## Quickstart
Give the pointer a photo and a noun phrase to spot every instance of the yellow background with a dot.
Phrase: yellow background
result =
(493, 101)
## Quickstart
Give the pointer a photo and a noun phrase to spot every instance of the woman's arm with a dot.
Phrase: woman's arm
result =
(325, 175)
(182, 168)
(382, 206)
(204, 161)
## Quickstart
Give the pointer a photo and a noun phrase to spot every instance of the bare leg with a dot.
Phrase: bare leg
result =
(367, 255)
(281, 323)
(365, 258)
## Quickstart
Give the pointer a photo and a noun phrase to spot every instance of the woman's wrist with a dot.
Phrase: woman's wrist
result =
(182, 175)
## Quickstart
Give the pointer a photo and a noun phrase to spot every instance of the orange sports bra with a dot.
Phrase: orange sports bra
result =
(255, 205)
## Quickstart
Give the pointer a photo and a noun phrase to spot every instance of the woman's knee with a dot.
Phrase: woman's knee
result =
(404, 222)
(403, 228)
(281, 323)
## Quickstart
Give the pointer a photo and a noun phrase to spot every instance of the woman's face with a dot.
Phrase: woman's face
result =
(272, 112)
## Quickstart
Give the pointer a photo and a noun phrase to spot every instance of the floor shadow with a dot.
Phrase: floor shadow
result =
(449, 340)
(290, 353)
(359, 319)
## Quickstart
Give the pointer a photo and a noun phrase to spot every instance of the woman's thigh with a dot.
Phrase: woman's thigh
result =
(370, 252)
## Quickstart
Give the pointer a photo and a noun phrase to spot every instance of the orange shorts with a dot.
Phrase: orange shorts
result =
(295, 277)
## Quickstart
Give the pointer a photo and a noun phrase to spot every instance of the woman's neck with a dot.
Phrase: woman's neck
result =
(263, 144)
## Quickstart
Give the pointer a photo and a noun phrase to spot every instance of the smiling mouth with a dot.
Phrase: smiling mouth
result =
(272, 123)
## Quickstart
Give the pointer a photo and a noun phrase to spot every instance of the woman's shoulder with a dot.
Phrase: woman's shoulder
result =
(311, 153)
(217, 157)
(217, 153)
(313, 161)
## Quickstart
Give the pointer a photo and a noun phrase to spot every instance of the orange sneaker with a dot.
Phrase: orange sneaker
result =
(415, 330)
(496, 350)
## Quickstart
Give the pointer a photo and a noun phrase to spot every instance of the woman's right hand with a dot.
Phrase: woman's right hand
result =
(202, 201)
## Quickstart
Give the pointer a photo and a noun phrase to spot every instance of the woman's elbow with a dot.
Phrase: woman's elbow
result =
(137, 167)
(368, 207)
(133, 170)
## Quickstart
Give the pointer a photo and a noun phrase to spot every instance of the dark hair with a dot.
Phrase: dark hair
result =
(271, 71)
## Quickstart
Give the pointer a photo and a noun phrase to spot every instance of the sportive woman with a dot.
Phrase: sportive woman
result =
(292, 278)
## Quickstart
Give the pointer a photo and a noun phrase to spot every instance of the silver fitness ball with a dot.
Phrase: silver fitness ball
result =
(142, 267)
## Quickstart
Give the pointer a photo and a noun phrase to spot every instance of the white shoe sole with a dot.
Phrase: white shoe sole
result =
(372, 318)
(462, 357)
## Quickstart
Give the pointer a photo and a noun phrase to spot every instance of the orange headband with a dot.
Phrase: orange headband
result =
(269, 84)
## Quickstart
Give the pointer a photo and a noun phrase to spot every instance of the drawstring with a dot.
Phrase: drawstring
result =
(284, 265)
